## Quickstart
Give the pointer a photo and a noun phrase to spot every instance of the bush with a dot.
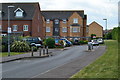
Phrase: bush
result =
(4, 48)
(19, 46)
(34, 48)
(83, 42)
(50, 42)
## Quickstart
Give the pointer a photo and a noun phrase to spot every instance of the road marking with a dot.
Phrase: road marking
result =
(49, 70)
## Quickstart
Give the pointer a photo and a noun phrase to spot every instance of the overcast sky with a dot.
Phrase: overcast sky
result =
(96, 10)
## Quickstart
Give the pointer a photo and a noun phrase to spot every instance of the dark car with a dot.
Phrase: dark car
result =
(76, 42)
(34, 41)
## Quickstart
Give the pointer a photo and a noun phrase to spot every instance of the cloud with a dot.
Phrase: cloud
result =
(95, 9)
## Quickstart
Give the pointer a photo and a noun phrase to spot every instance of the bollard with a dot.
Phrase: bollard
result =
(40, 51)
(43, 50)
(89, 46)
(32, 51)
(47, 50)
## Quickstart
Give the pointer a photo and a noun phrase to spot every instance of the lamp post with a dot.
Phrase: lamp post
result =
(9, 29)
(106, 26)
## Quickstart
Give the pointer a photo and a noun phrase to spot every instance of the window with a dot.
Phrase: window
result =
(18, 12)
(15, 27)
(47, 29)
(64, 29)
(47, 20)
(25, 27)
(75, 20)
(64, 20)
(56, 21)
(75, 29)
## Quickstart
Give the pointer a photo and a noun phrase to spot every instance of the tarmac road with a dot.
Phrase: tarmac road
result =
(31, 68)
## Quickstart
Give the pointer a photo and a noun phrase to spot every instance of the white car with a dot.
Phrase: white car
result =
(94, 42)
(100, 41)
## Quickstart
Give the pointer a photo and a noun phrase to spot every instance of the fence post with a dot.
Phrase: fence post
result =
(32, 51)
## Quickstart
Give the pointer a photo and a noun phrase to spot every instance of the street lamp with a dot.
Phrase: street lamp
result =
(106, 24)
(9, 29)
(106, 27)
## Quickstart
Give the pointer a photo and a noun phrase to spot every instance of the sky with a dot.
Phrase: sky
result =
(96, 10)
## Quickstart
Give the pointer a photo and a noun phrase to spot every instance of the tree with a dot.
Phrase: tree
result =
(109, 35)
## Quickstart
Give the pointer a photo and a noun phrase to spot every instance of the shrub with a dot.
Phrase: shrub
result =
(34, 48)
(4, 48)
(19, 46)
(83, 42)
(50, 42)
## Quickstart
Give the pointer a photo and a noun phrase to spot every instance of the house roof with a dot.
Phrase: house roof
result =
(95, 23)
(61, 14)
(28, 10)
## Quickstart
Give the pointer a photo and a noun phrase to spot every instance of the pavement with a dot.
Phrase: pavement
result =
(28, 55)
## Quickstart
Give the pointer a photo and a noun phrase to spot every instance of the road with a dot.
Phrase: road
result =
(29, 68)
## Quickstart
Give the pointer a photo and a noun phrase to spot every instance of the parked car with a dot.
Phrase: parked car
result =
(34, 41)
(67, 41)
(100, 41)
(57, 42)
(76, 42)
(94, 42)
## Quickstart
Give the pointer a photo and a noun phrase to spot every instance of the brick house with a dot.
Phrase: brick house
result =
(65, 23)
(95, 28)
(25, 19)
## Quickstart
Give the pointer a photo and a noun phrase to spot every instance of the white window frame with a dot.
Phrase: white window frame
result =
(56, 21)
(75, 20)
(19, 14)
(75, 29)
(25, 27)
(47, 20)
(47, 29)
(15, 27)
(64, 20)
(64, 29)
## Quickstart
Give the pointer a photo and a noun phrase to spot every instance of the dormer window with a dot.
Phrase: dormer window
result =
(56, 21)
(64, 20)
(47, 20)
(19, 12)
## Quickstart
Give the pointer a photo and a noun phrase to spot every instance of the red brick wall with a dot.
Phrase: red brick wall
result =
(19, 24)
(37, 24)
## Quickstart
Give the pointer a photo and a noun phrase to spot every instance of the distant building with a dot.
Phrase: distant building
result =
(25, 19)
(65, 23)
(95, 28)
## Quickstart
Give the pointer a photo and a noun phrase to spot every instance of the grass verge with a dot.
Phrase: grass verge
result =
(104, 67)
(4, 54)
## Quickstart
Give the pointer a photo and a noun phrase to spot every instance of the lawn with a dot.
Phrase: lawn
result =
(4, 54)
(104, 67)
